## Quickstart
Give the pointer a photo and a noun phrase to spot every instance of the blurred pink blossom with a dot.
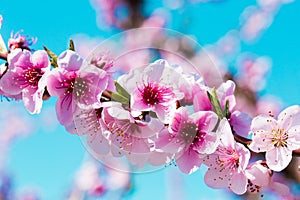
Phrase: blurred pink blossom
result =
(106, 12)
(14, 125)
(268, 105)
(87, 177)
(210, 67)
(228, 45)
(252, 71)
(85, 44)
(1, 21)
(253, 22)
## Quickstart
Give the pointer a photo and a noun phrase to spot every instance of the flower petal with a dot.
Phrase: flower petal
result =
(258, 174)
(137, 159)
(40, 59)
(32, 99)
(19, 58)
(96, 81)
(294, 137)
(216, 179)
(189, 161)
(244, 155)
(64, 110)
(226, 136)
(165, 113)
(206, 120)
(210, 144)
(201, 101)
(226, 93)
(69, 60)
(240, 123)
(238, 183)
(263, 122)
(9, 84)
(278, 158)
(168, 142)
(98, 143)
(153, 72)
(159, 158)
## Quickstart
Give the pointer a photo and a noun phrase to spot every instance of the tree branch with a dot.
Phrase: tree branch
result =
(3, 56)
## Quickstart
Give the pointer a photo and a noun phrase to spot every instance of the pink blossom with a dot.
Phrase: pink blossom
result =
(278, 138)
(129, 135)
(20, 41)
(26, 75)
(75, 86)
(152, 89)
(190, 137)
(228, 163)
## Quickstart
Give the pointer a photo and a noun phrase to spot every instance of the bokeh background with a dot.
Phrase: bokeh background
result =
(40, 160)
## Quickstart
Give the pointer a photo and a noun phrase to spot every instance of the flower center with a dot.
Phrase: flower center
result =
(68, 83)
(98, 113)
(228, 158)
(87, 121)
(280, 137)
(191, 135)
(31, 77)
(153, 94)
(80, 87)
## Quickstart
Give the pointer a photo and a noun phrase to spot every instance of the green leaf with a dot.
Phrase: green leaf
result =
(119, 98)
(214, 100)
(122, 91)
(53, 57)
(71, 45)
(226, 109)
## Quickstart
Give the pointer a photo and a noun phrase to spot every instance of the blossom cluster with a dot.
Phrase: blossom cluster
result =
(156, 115)
(160, 114)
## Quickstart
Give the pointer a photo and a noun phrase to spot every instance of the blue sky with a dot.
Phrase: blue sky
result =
(48, 159)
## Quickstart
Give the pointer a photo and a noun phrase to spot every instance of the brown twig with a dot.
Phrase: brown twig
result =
(3, 56)
(241, 139)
